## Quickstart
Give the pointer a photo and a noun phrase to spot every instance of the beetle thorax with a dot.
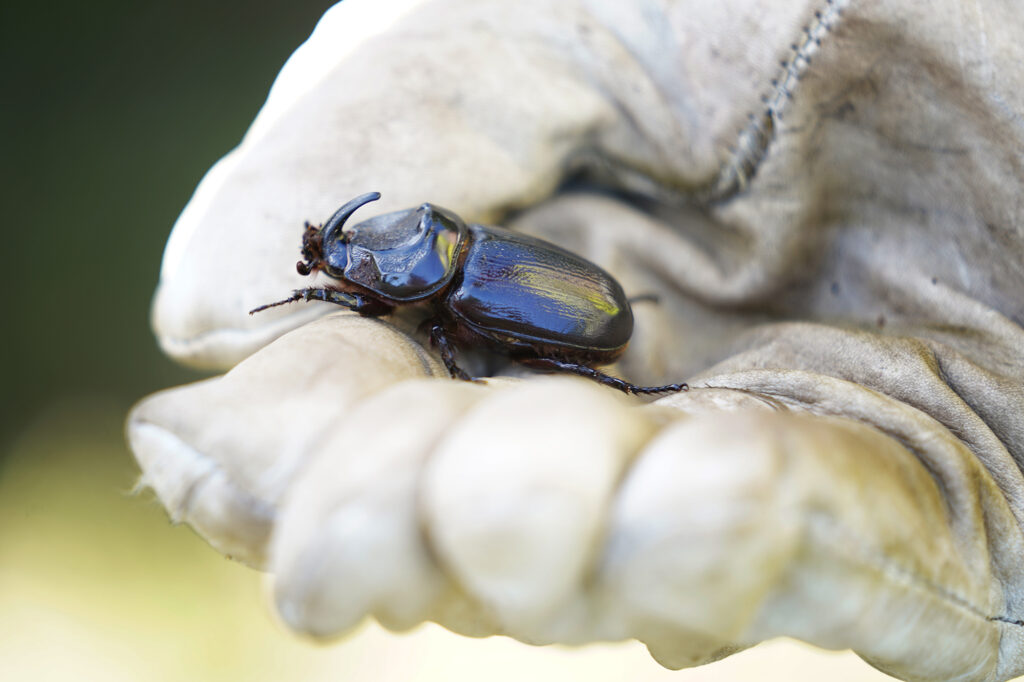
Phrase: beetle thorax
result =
(403, 256)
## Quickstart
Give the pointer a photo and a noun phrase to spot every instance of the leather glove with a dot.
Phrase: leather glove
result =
(826, 198)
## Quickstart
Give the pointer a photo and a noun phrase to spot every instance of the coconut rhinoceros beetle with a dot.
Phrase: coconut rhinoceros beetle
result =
(524, 297)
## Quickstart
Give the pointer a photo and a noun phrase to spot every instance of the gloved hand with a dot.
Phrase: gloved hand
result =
(827, 200)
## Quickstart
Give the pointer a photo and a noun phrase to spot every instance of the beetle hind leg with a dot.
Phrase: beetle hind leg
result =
(602, 378)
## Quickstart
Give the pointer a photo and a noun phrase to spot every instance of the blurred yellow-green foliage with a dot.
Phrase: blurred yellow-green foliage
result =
(112, 111)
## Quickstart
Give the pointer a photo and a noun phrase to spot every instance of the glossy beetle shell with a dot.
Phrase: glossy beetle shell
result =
(403, 256)
(522, 291)
(534, 301)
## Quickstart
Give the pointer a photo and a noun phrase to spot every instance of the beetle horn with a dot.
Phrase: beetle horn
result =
(343, 213)
(313, 239)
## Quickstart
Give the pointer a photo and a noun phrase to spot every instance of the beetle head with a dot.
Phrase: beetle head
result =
(312, 250)
(314, 238)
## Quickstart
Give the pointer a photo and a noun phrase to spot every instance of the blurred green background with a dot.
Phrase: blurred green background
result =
(112, 112)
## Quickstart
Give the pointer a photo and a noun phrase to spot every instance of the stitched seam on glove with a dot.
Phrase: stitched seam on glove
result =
(826, 532)
(753, 141)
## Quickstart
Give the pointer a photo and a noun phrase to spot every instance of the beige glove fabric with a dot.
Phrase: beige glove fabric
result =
(827, 199)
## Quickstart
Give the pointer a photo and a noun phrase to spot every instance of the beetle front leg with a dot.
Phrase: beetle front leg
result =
(601, 377)
(363, 305)
(439, 338)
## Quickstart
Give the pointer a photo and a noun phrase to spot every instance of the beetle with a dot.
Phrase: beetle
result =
(488, 287)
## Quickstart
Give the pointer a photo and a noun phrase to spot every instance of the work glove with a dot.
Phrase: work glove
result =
(826, 199)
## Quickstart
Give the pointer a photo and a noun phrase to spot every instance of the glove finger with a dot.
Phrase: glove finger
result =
(748, 527)
(515, 496)
(348, 539)
(220, 453)
(447, 106)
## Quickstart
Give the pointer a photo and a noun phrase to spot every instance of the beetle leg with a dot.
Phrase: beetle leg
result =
(363, 305)
(601, 377)
(439, 337)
